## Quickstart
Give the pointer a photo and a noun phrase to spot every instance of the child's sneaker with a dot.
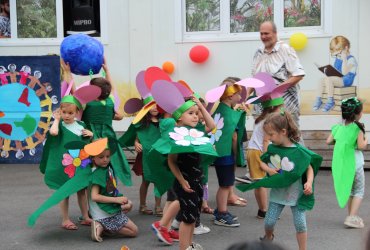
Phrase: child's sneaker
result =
(175, 224)
(226, 220)
(201, 229)
(215, 212)
(354, 222)
(174, 235)
(162, 233)
(194, 246)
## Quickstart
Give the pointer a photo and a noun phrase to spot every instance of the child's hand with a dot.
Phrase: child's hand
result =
(196, 100)
(138, 147)
(307, 188)
(185, 185)
(272, 171)
(56, 114)
(126, 207)
(86, 133)
(122, 200)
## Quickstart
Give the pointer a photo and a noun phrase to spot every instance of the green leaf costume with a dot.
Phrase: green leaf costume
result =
(83, 178)
(160, 172)
(233, 120)
(147, 135)
(98, 116)
(301, 158)
(51, 161)
(344, 163)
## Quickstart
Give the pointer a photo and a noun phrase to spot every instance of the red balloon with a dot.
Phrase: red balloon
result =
(199, 54)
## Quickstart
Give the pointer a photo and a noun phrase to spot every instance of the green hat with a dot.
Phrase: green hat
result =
(273, 102)
(73, 100)
(185, 106)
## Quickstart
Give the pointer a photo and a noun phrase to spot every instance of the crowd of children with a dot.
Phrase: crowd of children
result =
(181, 139)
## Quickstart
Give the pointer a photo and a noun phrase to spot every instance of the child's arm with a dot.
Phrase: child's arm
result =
(54, 129)
(87, 133)
(172, 159)
(210, 123)
(138, 146)
(266, 142)
(67, 75)
(307, 187)
(330, 140)
(361, 141)
(95, 196)
(267, 169)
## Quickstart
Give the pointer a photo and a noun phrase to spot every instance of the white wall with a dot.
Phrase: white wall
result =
(141, 33)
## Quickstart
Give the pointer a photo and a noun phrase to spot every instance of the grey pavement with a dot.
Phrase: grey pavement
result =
(22, 190)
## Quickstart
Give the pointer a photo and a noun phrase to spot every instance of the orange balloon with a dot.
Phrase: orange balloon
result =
(168, 67)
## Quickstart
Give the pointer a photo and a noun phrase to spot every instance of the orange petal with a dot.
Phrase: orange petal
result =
(96, 147)
(2, 114)
(83, 155)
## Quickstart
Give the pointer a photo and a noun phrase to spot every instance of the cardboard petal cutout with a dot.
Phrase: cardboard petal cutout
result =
(253, 100)
(270, 83)
(141, 86)
(243, 95)
(182, 82)
(87, 94)
(153, 74)
(279, 90)
(185, 91)
(214, 95)
(66, 88)
(143, 112)
(251, 83)
(133, 105)
(96, 147)
(161, 92)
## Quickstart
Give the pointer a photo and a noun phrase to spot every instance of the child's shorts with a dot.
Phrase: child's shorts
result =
(254, 161)
(114, 223)
(171, 195)
(225, 175)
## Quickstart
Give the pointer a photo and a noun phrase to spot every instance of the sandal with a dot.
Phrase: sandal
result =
(94, 231)
(69, 226)
(158, 211)
(207, 210)
(264, 238)
(144, 210)
(239, 202)
(86, 222)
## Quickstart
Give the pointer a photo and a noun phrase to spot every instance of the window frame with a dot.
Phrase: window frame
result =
(15, 41)
(181, 36)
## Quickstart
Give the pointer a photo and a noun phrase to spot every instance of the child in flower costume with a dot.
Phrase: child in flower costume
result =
(227, 138)
(185, 147)
(291, 173)
(59, 166)
(348, 161)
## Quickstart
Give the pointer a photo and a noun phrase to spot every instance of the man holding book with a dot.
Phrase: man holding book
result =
(342, 74)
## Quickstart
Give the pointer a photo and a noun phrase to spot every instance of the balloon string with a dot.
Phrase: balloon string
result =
(91, 73)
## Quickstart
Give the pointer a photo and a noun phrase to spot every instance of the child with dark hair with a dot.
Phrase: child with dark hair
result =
(348, 161)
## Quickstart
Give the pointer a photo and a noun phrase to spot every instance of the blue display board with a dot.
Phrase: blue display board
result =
(29, 92)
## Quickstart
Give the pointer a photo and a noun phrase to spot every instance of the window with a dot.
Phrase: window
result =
(218, 20)
(47, 22)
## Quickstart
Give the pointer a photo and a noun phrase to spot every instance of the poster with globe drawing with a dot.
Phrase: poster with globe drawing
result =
(29, 92)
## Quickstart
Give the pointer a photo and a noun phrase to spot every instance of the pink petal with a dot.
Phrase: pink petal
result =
(182, 131)
(176, 136)
(67, 160)
(195, 133)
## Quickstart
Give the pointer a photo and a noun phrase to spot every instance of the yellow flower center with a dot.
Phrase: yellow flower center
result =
(214, 131)
(76, 162)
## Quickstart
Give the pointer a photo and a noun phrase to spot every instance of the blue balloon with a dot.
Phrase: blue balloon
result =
(83, 53)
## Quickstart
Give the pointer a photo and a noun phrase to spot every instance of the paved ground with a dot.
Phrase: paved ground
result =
(22, 190)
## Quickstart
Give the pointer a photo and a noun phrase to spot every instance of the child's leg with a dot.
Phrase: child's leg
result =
(82, 202)
(143, 193)
(66, 222)
(354, 205)
(271, 218)
(129, 230)
(169, 214)
(221, 198)
(186, 235)
(261, 198)
(299, 217)
(358, 190)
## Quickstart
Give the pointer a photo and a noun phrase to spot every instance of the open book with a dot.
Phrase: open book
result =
(329, 70)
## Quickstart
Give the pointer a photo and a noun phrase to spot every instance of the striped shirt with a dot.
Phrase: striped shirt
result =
(282, 62)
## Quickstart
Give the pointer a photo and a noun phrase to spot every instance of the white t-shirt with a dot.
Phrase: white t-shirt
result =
(256, 141)
(74, 127)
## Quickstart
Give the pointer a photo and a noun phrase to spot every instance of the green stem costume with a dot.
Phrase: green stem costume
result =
(233, 120)
(52, 156)
(301, 158)
(83, 178)
(344, 163)
(162, 176)
(98, 116)
(147, 135)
